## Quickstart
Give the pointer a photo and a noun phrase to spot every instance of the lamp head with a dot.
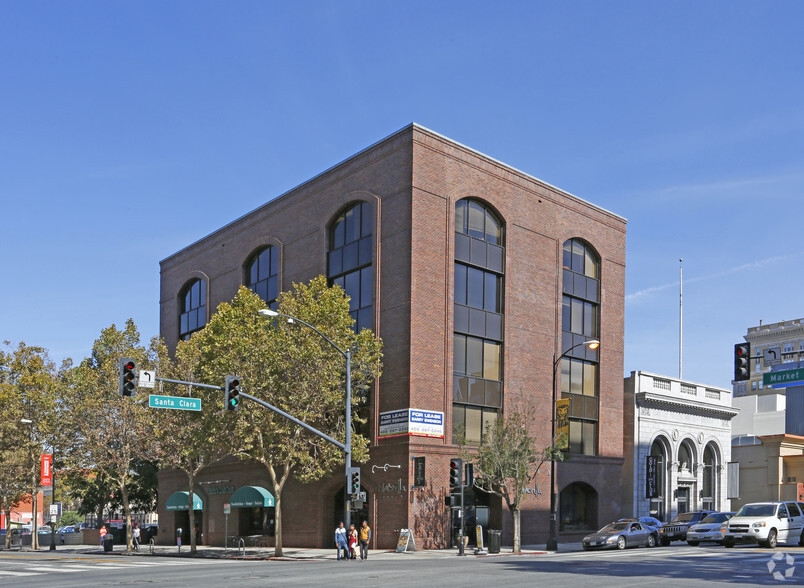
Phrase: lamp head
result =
(267, 312)
(593, 344)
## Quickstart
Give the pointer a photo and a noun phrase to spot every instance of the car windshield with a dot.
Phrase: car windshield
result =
(614, 528)
(716, 518)
(757, 510)
(683, 518)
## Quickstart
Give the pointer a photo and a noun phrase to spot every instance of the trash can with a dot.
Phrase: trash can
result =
(494, 540)
(108, 542)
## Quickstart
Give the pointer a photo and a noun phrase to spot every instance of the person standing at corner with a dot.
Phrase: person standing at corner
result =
(340, 541)
(136, 536)
(102, 533)
(365, 537)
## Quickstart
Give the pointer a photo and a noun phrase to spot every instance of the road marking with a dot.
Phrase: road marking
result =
(10, 573)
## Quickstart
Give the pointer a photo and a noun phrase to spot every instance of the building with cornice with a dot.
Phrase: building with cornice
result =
(676, 446)
(476, 276)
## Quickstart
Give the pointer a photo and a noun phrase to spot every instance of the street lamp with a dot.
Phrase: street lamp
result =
(34, 522)
(267, 312)
(552, 542)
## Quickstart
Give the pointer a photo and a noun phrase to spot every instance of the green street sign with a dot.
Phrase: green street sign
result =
(778, 379)
(174, 402)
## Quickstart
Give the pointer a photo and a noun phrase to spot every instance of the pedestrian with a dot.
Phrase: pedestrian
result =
(365, 537)
(352, 542)
(102, 533)
(135, 540)
(340, 541)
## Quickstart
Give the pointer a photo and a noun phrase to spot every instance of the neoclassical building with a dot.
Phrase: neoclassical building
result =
(475, 275)
(677, 444)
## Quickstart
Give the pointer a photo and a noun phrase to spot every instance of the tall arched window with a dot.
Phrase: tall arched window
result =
(193, 314)
(478, 319)
(262, 275)
(580, 322)
(709, 486)
(349, 261)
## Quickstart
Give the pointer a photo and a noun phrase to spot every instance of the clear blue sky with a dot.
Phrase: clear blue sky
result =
(685, 117)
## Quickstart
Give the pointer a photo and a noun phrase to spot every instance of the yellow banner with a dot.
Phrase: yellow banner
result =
(562, 416)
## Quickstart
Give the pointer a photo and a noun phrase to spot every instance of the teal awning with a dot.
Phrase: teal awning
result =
(178, 501)
(250, 496)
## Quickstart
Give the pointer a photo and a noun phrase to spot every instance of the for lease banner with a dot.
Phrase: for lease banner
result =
(412, 422)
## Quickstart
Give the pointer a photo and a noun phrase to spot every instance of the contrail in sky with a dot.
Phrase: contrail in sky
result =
(645, 292)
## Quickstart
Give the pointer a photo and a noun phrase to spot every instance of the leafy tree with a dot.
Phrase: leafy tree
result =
(29, 391)
(189, 441)
(507, 462)
(111, 434)
(294, 369)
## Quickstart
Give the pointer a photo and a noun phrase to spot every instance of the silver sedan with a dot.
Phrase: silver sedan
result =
(621, 535)
(709, 529)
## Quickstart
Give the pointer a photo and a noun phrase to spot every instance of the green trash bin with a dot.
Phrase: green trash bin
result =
(494, 540)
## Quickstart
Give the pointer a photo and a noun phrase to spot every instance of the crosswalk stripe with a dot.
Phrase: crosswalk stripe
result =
(10, 573)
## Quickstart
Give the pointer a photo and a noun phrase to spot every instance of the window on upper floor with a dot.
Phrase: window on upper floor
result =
(580, 321)
(262, 275)
(349, 261)
(478, 319)
(193, 306)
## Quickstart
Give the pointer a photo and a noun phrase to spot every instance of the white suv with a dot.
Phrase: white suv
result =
(766, 523)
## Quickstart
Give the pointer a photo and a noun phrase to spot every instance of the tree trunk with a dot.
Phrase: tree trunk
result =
(515, 515)
(127, 514)
(34, 522)
(191, 484)
(8, 526)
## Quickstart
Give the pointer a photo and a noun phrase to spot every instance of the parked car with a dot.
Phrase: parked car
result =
(676, 530)
(621, 535)
(709, 529)
(766, 523)
(66, 529)
(650, 522)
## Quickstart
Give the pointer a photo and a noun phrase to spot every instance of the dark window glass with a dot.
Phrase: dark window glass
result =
(350, 259)
(193, 309)
(460, 283)
(261, 273)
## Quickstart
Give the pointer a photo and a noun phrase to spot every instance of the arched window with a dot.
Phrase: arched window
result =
(580, 322)
(262, 275)
(658, 508)
(478, 319)
(578, 508)
(349, 261)
(709, 485)
(193, 304)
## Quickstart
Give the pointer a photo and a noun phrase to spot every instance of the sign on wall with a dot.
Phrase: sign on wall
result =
(562, 417)
(652, 477)
(412, 422)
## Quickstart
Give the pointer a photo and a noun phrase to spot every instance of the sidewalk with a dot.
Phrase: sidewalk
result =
(294, 553)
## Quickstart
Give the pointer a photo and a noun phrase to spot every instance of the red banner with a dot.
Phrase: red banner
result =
(47, 470)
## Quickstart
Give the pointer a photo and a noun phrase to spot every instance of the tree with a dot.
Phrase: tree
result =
(293, 368)
(190, 441)
(111, 434)
(507, 462)
(29, 400)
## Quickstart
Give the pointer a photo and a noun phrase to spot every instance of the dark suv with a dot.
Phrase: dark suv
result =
(676, 530)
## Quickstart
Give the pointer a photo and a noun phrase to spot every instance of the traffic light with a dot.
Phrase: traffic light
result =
(128, 377)
(469, 470)
(455, 472)
(354, 481)
(232, 393)
(742, 364)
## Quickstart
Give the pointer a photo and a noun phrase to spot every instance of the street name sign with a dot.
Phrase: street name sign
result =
(174, 402)
(782, 379)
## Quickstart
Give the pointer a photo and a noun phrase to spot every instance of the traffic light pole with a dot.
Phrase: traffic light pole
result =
(461, 549)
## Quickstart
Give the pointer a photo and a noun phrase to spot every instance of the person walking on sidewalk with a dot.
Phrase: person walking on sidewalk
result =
(365, 537)
(340, 541)
(135, 540)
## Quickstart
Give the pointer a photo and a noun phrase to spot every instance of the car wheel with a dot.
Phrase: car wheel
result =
(693, 543)
(801, 539)
(620, 542)
(771, 542)
(728, 543)
(586, 548)
(664, 542)
(651, 542)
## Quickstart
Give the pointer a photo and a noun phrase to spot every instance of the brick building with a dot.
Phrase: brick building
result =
(474, 274)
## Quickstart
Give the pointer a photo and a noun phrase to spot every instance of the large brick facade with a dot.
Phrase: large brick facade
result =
(413, 180)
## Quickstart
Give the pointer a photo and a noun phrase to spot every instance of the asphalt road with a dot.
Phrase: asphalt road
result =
(678, 565)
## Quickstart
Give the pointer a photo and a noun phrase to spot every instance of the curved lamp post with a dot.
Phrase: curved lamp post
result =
(552, 542)
(267, 312)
